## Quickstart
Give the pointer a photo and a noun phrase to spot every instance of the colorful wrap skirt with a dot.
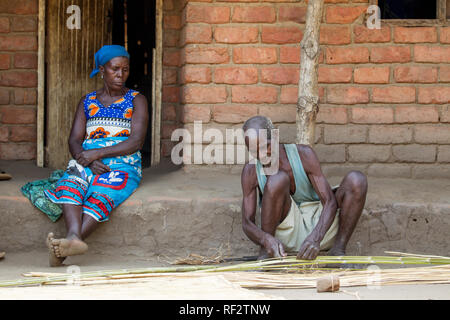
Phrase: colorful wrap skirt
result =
(98, 194)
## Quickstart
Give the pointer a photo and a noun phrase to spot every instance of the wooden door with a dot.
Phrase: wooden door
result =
(69, 61)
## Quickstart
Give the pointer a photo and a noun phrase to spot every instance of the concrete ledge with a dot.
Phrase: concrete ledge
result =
(176, 212)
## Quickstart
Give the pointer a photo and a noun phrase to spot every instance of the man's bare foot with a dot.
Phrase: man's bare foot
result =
(69, 247)
(53, 260)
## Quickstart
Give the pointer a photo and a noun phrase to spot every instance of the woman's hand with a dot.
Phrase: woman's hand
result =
(97, 167)
(86, 157)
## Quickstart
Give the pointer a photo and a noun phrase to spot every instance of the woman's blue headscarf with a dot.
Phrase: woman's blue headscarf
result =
(105, 54)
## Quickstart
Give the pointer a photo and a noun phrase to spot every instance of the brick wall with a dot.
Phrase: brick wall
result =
(384, 93)
(18, 78)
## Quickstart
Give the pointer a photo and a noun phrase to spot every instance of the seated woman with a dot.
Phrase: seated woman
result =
(107, 133)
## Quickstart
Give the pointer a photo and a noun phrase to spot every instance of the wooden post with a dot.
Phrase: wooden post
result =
(308, 90)
(41, 86)
(157, 86)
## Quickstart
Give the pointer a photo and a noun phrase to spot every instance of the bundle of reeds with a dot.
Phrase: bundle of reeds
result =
(288, 264)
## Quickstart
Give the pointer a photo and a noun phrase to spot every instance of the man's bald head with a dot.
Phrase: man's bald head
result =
(259, 123)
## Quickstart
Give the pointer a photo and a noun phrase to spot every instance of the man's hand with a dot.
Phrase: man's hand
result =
(309, 249)
(86, 157)
(274, 247)
(97, 167)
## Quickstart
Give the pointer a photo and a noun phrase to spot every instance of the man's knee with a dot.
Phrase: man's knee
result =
(357, 182)
(277, 184)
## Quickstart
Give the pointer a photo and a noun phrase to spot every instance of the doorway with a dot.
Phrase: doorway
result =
(133, 26)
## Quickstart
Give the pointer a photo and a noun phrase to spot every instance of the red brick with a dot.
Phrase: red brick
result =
(5, 61)
(411, 114)
(4, 134)
(236, 75)
(23, 24)
(167, 130)
(445, 115)
(193, 113)
(415, 34)
(347, 95)
(254, 94)
(171, 94)
(18, 43)
(293, 14)
(390, 54)
(14, 115)
(196, 34)
(335, 35)
(344, 134)
(280, 75)
(444, 73)
(4, 25)
(207, 14)
(437, 54)
(289, 95)
(213, 55)
(279, 113)
(168, 112)
(362, 34)
(25, 60)
(388, 134)
(23, 96)
(415, 74)
(254, 14)
(171, 38)
(336, 115)
(289, 54)
(19, 6)
(25, 79)
(394, 94)
(169, 76)
(4, 96)
(445, 34)
(372, 75)
(330, 153)
(434, 95)
(236, 34)
(432, 134)
(281, 35)
(22, 134)
(261, 55)
(335, 74)
(347, 55)
(233, 113)
(372, 115)
(204, 94)
(172, 21)
(336, 14)
(414, 153)
(17, 151)
(369, 153)
(195, 74)
(171, 58)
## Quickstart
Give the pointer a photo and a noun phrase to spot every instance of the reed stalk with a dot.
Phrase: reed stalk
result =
(289, 263)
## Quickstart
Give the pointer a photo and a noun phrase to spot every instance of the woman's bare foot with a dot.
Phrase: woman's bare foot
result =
(53, 260)
(69, 247)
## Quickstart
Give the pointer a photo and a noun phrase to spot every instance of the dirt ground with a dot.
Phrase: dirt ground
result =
(17, 263)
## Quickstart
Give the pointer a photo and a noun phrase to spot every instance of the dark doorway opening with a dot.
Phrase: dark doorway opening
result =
(408, 9)
(134, 27)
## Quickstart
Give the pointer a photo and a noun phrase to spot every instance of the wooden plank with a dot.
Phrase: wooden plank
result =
(156, 120)
(41, 86)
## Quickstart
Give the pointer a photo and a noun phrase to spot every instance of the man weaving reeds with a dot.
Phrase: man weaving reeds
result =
(299, 210)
